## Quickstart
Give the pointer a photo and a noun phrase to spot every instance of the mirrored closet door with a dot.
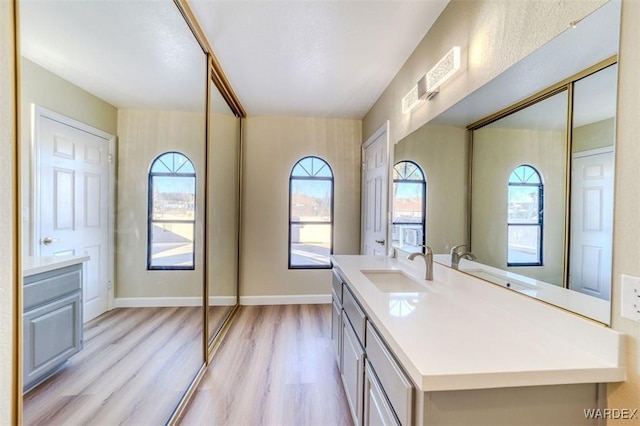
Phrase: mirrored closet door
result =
(113, 107)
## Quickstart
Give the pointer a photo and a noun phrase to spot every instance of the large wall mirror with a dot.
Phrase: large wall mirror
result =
(529, 189)
(113, 106)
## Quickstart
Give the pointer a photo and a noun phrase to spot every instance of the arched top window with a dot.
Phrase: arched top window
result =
(407, 171)
(172, 213)
(525, 217)
(409, 207)
(310, 214)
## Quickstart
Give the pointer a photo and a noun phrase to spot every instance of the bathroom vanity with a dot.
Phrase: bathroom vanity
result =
(52, 318)
(459, 350)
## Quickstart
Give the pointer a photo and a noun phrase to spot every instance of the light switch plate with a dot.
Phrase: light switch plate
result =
(631, 297)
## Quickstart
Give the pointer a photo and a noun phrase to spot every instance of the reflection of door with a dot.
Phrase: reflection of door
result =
(72, 201)
(374, 193)
(591, 223)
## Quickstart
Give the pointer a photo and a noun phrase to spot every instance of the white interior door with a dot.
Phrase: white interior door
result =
(591, 223)
(73, 202)
(375, 190)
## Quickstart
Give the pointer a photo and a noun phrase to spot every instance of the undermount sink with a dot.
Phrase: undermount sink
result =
(392, 281)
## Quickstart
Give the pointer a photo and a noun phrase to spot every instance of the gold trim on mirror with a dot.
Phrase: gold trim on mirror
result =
(543, 94)
(217, 76)
(16, 397)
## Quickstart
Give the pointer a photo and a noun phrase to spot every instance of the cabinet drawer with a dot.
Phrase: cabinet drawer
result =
(337, 285)
(395, 383)
(48, 286)
(356, 315)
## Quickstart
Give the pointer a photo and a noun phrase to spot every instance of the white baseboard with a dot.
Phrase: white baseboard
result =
(156, 302)
(222, 300)
(166, 302)
(303, 299)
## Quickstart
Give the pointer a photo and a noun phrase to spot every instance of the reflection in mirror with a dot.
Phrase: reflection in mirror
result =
(440, 153)
(529, 241)
(518, 194)
(545, 219)
(592, 163)
(224, 154)
(91, 73)
(409, 207)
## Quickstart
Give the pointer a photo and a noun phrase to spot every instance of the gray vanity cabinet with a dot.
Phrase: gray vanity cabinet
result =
(377, 389)
(52, 321)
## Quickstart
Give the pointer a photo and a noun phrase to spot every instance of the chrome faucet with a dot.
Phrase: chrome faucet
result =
(428, 261)
(457, 254)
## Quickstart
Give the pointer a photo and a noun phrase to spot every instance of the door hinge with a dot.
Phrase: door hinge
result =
(110, 158)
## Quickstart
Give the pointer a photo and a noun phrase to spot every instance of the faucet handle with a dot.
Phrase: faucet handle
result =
(456, 249)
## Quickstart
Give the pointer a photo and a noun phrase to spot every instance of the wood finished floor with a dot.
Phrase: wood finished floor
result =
(134, 368)
(276, 366)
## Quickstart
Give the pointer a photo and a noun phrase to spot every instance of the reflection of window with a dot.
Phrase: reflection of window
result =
(524, 217)
(172, 208)
(409, 195)
(310, 214)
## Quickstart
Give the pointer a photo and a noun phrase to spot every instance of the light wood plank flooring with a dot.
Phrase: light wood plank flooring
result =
(276, 366)
(134, 368)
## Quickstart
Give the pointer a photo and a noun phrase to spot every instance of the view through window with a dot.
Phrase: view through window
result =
(310, 214)
(409, 195)
(172, 205)
(524, 215)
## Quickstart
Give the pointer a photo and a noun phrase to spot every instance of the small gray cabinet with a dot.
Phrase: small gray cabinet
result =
(52, 322)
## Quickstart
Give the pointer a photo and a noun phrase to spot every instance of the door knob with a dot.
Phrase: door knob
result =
(381, 242)
(49, 240)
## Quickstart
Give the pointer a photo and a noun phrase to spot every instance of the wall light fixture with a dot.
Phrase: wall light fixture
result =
(429, 85)
(443, 70)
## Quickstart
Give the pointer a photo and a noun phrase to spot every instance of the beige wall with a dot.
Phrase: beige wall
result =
(8, 221)
(626, 232)
(41, 87)
(143, 135)
(493, 36)
(594, 135)
(272, 146)
(441, 152)
(496, 153)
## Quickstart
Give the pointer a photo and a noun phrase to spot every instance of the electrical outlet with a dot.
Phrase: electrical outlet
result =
(631, 297)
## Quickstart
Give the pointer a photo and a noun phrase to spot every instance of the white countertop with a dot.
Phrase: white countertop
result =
(36, 265)
(588, 306)
(465, 333)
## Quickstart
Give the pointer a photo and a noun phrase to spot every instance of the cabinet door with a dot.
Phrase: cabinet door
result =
(336, 330)
(377, 411)
(51, 335)
(352, 371)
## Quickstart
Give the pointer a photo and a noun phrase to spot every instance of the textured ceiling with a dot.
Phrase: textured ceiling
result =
(132, 54)
(318, 58)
